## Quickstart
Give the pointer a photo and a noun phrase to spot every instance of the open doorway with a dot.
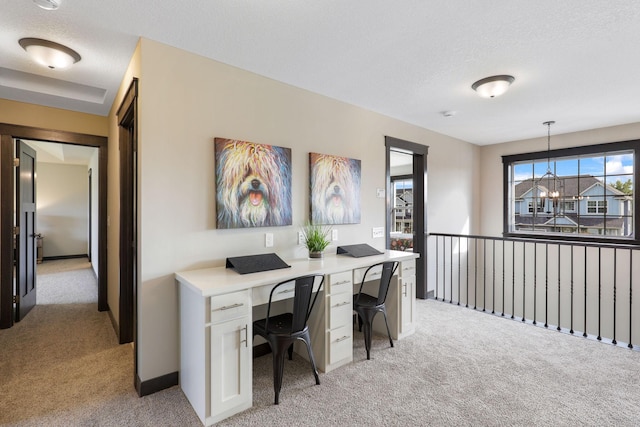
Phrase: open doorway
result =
(406, 171)
(65, 204)
(8, 135)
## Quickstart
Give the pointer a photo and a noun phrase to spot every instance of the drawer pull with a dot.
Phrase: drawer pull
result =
(404, 290)
(342, 283)
(286, 291)
(346, 337)
(228, 307)
(341, 304)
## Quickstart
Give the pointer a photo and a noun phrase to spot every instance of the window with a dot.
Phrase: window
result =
(539, 206)
(569, 206)
(572, 193)
(402, 204)
(597, 206)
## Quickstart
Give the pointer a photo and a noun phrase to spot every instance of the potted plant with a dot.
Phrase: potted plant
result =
(316, 239)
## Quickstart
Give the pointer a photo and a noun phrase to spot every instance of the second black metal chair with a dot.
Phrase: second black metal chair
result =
(282, 330)
(367, 306)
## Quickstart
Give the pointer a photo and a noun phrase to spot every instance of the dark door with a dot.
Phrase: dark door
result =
(26, 227)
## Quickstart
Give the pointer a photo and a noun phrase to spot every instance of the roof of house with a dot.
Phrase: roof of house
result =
(561, 220)
(570, 186)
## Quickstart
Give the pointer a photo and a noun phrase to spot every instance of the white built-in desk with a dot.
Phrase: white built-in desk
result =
(216, 318)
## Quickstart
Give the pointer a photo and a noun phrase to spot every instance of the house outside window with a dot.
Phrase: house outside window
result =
(576, 193)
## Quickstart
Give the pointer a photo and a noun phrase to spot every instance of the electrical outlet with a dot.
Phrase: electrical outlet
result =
(334, 235)
(377, 232)
(300, 238)
(268, 240)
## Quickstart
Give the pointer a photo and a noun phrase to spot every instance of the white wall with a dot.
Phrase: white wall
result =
(491, 161)
(185, 102)
(62, 216)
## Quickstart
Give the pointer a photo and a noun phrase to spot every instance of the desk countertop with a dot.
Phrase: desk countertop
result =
(221, 280)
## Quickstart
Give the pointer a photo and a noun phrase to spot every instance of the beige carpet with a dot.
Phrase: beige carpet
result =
(62, 366)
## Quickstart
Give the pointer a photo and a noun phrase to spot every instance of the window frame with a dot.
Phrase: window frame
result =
(610, 147)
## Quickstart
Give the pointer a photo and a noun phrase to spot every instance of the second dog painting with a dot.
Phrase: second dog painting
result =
(335, 189)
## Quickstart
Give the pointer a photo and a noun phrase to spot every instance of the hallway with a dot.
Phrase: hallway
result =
(62, 364)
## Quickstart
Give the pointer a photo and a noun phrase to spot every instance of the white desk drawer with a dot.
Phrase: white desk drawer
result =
(340, 310)
(407, 268)
(374, 274)
(340, 344)
(340, 282)
(261, 294)
(230, 306)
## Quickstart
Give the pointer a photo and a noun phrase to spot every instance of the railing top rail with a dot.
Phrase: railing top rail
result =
(541, 240)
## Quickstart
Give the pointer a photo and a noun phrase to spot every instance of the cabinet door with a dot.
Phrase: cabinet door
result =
(231, 365)
(408, 304)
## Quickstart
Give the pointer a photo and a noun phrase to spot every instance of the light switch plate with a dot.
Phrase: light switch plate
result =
(334, 235)
(377, 232)
(268, 240)
(300, 238)
(380, 193)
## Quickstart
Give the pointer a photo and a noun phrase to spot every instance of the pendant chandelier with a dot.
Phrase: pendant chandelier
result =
(549, 183)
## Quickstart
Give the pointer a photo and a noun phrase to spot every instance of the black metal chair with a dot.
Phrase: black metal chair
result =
(282, 330)
(367, 306)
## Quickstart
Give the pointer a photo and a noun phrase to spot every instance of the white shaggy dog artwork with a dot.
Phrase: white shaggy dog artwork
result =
(253, 184)
(335, 189)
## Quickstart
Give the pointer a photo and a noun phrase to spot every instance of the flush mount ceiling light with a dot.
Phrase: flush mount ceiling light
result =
(48, 4)
(49, 54)
(493, 86)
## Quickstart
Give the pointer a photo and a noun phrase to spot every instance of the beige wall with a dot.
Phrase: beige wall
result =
(185, 102)
(63, 208)
(491, 161)
(20, 113)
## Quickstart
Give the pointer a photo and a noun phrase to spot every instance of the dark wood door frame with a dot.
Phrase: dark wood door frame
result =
(8, 133)
(419, 205)
(127, 141)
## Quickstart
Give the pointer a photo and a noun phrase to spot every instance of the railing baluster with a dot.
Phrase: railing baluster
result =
(444, 268)
(437, 267)
(451, 266)
(503, 257)
(493, 292)
(630, 345)
(599, 290)
(467, 302)
(475, 279)
(513, 279)
(615, 269)
(571, 302)
(484, 274)
(524, 278)
(559, 295)
(584, 334)
(546, 285)
(459, 272)
(535, 282)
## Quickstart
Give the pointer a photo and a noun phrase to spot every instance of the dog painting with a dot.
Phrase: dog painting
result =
(253, 184)
(335, 189)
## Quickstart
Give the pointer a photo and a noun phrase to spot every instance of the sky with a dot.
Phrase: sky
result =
(615, 167)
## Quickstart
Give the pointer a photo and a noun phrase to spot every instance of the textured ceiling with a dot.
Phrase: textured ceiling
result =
(574, 61)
